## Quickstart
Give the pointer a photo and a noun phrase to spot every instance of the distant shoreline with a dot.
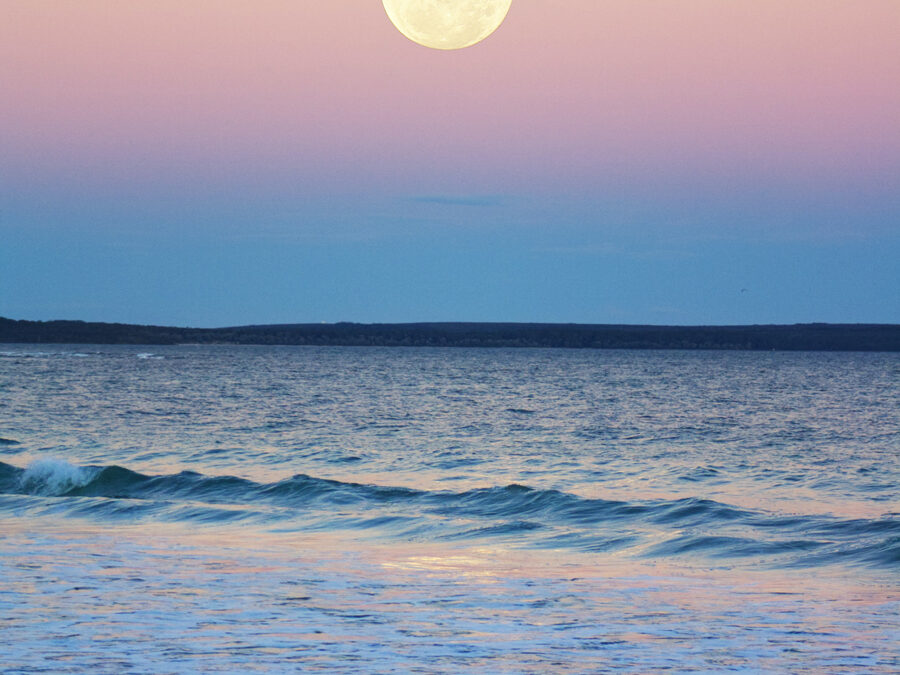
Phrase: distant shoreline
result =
(796, 337)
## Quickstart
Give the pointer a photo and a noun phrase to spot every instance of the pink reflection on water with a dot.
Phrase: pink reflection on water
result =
(227, 598)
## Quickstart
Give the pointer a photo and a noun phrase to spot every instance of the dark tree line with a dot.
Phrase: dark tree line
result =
(813, 337)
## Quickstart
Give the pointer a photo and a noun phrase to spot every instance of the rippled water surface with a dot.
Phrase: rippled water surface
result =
(231, 509)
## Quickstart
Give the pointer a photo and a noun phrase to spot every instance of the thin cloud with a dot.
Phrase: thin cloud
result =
(458, 200)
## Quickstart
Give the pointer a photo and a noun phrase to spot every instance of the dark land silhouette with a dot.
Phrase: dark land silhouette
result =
(796, 337)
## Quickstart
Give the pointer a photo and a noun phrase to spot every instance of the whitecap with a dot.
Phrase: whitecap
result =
(53, 477)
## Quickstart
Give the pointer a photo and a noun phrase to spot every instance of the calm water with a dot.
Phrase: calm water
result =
(277, 509)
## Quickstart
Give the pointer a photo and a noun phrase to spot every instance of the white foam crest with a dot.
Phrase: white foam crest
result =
(50, 477)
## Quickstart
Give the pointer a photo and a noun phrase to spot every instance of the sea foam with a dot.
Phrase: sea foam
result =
(53, 477)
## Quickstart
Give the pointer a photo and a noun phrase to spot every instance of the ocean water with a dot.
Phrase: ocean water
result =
(219, 509)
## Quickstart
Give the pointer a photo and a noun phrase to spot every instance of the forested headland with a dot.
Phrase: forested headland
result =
(811, 336)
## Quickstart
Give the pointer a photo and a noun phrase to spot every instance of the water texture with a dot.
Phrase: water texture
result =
(281, 509)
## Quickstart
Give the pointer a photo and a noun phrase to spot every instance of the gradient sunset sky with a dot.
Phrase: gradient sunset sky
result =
(224, 162)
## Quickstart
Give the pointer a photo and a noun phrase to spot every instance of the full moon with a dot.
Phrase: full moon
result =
(446, 24)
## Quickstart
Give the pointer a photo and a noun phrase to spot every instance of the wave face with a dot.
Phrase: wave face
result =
(515, 514)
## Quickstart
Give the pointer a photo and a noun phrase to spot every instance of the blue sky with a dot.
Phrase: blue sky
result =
(188, 162)
(446, 258)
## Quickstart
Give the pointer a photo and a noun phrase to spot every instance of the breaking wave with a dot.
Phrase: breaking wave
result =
(515, 513)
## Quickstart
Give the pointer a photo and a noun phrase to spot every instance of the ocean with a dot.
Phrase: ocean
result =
(223, 509)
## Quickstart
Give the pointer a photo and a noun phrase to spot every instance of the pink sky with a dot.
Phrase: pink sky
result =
(216, 162)
(565, 96)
